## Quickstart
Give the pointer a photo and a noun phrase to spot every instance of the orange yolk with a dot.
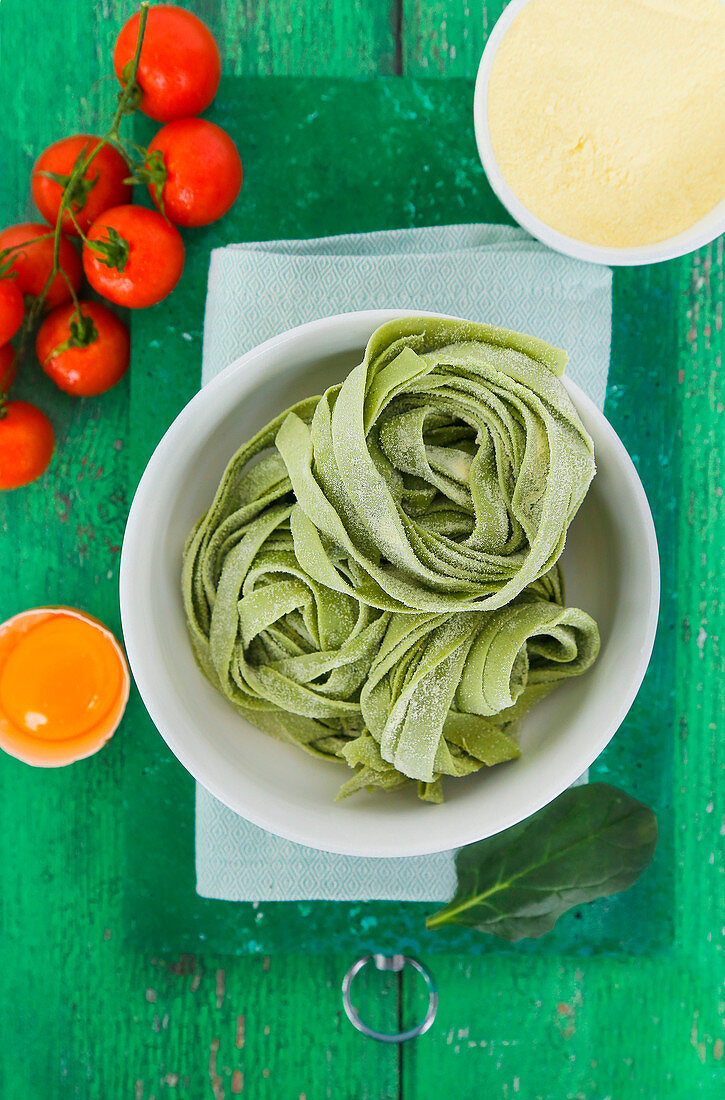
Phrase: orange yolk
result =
(63, 686)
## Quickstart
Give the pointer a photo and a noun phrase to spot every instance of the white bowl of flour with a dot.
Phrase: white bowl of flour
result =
(599, 124)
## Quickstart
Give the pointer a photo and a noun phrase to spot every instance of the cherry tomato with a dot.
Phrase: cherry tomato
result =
(141, 256)
(179, 67)
(11, 309)
(201, 172)
(7, 367)
(100, 187)
(84, 356)
(34, 262)
(26, 443)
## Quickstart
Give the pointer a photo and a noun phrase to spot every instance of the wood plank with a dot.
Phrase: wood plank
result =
(309, 37)
(700, 687)
(87, 1018)
(604, 1027)
(589, 1028)
(445, 38)
(92, 1020)
(59, 830)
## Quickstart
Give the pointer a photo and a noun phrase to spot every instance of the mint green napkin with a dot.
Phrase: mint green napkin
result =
(490, 273)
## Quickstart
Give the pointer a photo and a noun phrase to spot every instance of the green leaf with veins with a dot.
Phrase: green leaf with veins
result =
(590, 842)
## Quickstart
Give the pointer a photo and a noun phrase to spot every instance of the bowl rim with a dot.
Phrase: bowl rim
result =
(137, 631)
(705, 230)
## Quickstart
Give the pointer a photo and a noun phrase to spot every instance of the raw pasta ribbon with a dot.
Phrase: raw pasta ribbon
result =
(446, 692)
(376, 578)
(448, 466)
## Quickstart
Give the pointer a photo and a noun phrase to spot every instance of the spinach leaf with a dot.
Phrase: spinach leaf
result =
(590, 842)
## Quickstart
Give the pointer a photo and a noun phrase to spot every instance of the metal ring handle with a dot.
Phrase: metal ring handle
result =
(395, 963)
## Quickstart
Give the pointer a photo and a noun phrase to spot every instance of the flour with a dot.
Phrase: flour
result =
(607, 117)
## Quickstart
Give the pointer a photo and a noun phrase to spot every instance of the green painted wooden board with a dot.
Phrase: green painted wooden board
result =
(318, 137)
(85, 1014)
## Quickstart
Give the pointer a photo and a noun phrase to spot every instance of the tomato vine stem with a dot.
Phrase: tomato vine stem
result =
(127, 103)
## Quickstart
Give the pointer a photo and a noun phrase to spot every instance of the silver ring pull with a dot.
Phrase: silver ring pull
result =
(394, 963)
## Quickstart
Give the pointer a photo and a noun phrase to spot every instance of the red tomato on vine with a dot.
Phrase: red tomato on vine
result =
(179, 68)
(85, 351)
(11, 309)
(33, 262)
(194, 171)
(101, 186)
(133, 256)
(26, 443)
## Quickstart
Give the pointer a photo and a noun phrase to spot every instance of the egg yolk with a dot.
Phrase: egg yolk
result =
(63, 686)
(60, 679)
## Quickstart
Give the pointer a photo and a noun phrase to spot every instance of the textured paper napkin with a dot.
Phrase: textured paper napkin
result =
(492, 273)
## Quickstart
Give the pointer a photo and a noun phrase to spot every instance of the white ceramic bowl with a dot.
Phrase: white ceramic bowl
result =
(703, 231)
(611, 568)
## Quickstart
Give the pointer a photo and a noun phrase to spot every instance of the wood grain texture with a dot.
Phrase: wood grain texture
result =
(286, 128)
(599, 1028)
(84, 1017)
(700, 687)
(445, 38)
(87, 1018)
(309, 37)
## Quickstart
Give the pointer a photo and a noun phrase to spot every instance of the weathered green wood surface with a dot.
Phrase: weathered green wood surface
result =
(81, 1015)
(287, 127)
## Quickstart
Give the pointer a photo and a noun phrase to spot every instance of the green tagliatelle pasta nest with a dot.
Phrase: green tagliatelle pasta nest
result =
(376, 578)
